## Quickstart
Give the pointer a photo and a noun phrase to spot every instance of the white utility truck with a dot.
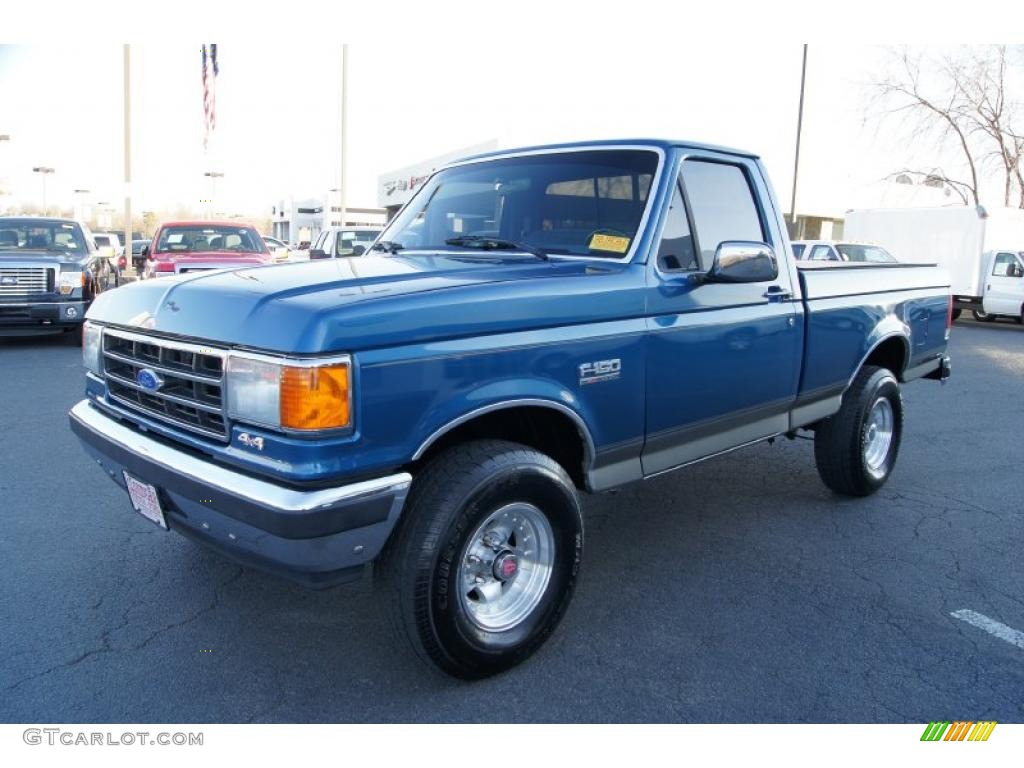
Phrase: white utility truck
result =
(981, 248)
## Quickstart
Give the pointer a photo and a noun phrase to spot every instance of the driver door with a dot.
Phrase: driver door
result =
(1004, 289)
(723, 358)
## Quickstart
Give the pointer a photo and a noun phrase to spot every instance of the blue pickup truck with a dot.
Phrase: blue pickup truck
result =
(533, 325)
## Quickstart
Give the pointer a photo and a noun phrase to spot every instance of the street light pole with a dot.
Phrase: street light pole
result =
(344, 129)
(44, 171)
(799, 127)
(127, 150)
(80, 194)
(213, 176)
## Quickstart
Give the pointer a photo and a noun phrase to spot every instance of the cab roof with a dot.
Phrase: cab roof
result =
(663, 144)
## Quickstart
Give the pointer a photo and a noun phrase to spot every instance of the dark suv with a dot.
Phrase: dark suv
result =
(50, 271)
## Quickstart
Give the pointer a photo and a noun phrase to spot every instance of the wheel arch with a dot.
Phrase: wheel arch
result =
(548, 426)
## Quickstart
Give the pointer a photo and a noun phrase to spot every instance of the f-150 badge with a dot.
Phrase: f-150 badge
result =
(601, 370)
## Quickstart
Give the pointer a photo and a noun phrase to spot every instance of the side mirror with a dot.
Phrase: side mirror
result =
(317, 253)
(359, 250)
(1018, 271)
(743, 262)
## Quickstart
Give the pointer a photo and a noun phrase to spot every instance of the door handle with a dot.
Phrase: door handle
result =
(777, 292)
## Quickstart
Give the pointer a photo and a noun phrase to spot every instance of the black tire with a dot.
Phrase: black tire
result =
(74, 336)
(956, 314)
(982, 317)
(841, 441)
(457, 492)
(1020, 317)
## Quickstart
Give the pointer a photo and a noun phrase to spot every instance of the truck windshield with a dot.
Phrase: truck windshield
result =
(586, 203)
(29, 235)
(204, 239)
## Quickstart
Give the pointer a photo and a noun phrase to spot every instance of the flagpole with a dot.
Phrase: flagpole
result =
(127, 152)
(343, 186)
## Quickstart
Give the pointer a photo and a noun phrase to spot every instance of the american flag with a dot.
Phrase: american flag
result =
(210, 71)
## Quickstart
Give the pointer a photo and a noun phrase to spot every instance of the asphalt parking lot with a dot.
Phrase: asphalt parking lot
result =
(738, 590)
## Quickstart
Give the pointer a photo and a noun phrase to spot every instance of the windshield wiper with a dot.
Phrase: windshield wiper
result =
(496, 244)
(387, 246)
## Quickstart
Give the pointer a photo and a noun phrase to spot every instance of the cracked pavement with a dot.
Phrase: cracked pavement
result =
(737, 590)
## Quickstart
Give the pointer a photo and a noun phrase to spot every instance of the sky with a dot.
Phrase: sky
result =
(278, 115)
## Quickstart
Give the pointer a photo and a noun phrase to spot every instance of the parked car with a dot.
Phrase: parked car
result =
(139, 255)
(195, 246)
(829, 250)
(279, 248)
(109, 244)
(335, 242)
(50, 272)
(981, 248)
(534, 324)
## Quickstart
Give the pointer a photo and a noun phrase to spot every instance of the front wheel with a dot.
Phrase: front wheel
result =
(485, 560)
(982, 317)
(855, 450)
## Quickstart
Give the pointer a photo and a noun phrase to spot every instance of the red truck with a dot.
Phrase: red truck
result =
(194, 246)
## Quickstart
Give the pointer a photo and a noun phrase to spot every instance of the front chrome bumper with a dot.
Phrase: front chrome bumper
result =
(319, 537)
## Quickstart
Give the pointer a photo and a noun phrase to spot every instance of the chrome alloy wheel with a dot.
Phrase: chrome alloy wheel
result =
(878, 436)
(506, 566)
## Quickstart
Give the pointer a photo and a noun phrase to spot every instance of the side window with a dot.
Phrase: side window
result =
(676, 252)
(722, 205)
(822, 253)
(1003, 262)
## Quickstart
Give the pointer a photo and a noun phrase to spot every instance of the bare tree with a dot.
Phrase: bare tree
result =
(961, 103)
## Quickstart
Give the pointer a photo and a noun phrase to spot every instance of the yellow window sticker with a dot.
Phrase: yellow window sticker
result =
(611, 243)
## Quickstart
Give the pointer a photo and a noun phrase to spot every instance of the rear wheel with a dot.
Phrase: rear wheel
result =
(982, 317)
(485, 561)
(855, 450)
(957, 313)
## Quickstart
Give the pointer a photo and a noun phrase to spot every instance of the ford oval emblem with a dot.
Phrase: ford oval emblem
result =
(8, 280)
(149, 380)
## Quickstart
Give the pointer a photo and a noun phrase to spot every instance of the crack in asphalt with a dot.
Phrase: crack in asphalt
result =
(106, 647)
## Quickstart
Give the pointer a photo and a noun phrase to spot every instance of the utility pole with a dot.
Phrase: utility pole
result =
(799, 127)
(343, 186)
(127, 151)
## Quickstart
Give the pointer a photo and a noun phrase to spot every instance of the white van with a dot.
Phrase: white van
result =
(981, 248)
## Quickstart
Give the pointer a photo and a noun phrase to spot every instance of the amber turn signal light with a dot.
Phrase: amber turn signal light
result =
(316, 397)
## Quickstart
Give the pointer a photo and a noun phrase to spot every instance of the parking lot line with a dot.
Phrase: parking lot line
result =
(993, 627)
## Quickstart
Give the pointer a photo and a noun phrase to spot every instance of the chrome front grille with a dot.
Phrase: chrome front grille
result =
(25, 281)
(189, 378)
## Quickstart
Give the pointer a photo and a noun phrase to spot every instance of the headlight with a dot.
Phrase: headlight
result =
(71, 280)
(291, 395)
(92, 347)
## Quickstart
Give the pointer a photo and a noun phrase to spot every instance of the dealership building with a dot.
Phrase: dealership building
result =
(396, 188)
(297, 220)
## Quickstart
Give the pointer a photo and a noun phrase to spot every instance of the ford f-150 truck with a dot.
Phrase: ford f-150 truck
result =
(534, 324)
(50, 271)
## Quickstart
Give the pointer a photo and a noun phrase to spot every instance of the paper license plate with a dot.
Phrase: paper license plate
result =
(145, 500)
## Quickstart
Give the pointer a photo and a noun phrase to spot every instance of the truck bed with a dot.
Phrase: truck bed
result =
(852, 308)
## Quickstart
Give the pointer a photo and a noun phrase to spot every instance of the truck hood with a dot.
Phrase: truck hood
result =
(213, 257)
(356, 303)
(43, 259)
